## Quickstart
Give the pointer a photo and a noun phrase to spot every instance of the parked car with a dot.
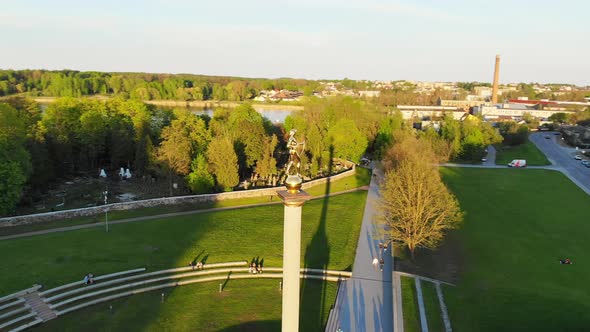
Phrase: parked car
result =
(578, 157)
(547, 137)
(586, 163)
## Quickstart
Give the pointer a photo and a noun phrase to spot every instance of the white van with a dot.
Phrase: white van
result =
(517, 163)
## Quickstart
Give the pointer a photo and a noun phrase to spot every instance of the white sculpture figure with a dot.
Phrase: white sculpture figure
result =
(128, 174)
(122, 172)
(102, 174)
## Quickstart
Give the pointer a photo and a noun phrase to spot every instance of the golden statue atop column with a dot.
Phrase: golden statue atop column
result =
(293, 171)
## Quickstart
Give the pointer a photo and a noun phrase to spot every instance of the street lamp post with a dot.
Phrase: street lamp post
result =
(106, 210)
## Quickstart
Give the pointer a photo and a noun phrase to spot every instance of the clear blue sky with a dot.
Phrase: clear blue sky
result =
(428, 40)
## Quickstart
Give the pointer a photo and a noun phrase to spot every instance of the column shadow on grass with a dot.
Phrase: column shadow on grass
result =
(317, 256)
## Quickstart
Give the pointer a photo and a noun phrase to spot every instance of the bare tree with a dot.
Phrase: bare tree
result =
(416, 206)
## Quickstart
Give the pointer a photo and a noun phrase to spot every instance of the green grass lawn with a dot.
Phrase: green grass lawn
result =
(410, 305)
(527, 151)
(433, 315)
(330, 231)
(517, 225)
(361, 178)
(244, 305)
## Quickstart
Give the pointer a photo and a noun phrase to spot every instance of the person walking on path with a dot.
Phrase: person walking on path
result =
(375, 263)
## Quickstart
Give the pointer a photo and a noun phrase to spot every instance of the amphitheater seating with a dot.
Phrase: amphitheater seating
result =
(18, 311)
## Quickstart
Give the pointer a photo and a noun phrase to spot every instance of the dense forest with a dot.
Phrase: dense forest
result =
(142, 86)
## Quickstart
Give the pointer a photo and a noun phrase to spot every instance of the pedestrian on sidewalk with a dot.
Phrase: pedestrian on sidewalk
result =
(381, 263)
(375, 263)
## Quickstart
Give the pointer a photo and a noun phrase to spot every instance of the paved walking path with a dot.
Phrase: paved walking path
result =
(365, 302)
(491, 156)
(421, 309)
(443, 308)
(158, 216)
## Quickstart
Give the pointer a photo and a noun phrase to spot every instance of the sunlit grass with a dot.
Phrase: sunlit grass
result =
(527, 151)
(518, 224)
(410, 305)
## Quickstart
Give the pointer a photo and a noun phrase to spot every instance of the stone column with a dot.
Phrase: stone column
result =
(293, 201)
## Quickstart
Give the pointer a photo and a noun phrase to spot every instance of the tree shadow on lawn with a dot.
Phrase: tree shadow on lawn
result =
(445, 263)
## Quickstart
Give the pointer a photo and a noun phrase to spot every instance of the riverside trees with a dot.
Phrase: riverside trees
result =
(80, 136)
(143, 86)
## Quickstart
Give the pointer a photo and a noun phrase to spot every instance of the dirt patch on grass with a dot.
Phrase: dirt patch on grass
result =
(445, 263)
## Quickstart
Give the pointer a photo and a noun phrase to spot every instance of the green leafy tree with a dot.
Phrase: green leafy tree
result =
(513, 133)
(440, 146)
(223, 162)
(267, 166)
(451, 132)
(349, 143)
(473, 145)
(120, 140)
(92, 135)
(181, 140)
(12, 180)
(559, 118)
(176, 149)
(531, 121)
(200, 181)
(387, 127)
(61, 123)
(14, 159)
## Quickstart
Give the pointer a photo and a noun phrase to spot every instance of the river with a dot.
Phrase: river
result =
(275, 115)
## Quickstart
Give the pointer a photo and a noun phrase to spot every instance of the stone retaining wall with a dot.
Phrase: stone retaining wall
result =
(191, 199)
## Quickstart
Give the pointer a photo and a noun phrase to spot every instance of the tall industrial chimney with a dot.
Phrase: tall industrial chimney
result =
(496, 78)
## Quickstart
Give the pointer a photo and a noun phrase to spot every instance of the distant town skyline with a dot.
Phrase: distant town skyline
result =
(539, 41)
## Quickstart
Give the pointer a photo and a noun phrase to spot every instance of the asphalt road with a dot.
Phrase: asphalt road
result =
(562, 157)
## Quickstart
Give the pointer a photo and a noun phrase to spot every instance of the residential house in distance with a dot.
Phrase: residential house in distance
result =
(276, 95)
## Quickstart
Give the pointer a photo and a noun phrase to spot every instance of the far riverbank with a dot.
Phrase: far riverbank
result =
(195, 103)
